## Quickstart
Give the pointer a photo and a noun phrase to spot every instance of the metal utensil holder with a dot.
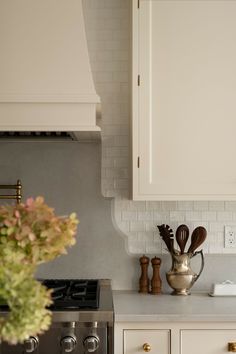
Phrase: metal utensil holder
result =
(17, 187)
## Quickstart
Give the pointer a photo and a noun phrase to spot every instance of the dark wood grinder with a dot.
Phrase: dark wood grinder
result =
(144, 280)
(156, 279)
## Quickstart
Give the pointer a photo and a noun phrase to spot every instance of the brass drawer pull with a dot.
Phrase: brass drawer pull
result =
(147, 347)
(232, 347)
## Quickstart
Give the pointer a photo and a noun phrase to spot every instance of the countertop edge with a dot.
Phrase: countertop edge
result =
(130, 306)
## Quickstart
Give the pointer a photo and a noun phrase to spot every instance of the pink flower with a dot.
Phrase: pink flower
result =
(29, 201)
(32, 236)
(17, 214)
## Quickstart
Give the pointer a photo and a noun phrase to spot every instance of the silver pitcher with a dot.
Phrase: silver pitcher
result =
(181, 277)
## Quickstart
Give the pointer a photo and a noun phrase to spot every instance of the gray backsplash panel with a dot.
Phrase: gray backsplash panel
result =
(68, 176)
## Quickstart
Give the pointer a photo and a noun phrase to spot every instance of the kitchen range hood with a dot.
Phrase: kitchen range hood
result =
(46, 84)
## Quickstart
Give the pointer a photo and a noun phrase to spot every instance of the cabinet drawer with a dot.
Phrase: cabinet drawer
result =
(159, 341)
(206, 341)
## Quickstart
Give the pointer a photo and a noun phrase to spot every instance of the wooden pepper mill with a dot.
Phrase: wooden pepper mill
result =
(144, 280)
(156, 279)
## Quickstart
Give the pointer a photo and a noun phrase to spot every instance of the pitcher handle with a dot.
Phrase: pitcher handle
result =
(202, 264)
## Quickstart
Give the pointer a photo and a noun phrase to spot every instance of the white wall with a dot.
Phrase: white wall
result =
(108, 24)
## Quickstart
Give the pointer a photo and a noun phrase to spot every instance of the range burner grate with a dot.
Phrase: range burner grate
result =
(73, 293)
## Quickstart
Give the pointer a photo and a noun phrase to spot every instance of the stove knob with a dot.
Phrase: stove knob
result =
(31, 344)
(68, 344)
(91, 344)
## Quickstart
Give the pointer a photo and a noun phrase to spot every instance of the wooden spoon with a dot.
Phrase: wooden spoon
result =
(182, 235)
(198, 237)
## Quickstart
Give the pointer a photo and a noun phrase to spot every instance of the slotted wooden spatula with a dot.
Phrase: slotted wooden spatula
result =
(182, 235)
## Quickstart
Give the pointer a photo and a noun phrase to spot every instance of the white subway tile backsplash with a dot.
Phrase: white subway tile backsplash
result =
(137, 226)
(209, 215)
(145, 215)
(193, 216)
(177, 216)
(136, 247)
(124, 226)
(122, 140)
(201, 223)
(108, 25)
(152, 205)
(153, 247)
(124, 151)
(138, 206)
(224, 216)
(129, 215)
(168, 206)
(121, 162)
(230, 206)
(145, 236)
(216, 227)
(216, 205)
(113, 152)
(151, 226)
(107, 184)
(200, 205)
(108, 162)
(124, 129)
(121, 183)
(161, 217)
(120, 77)
(111, 130)
(185, 205)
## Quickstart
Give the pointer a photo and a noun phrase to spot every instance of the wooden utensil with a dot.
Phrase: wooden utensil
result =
(198, 237)
(167, 235)
(182, 235)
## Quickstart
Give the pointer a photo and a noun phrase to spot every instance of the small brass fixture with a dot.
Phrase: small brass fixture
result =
(146, 347)
(17, 187)
(232, 347)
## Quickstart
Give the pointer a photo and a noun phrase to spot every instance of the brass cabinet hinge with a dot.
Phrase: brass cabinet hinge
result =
(138, 162)
(138, 80)
(138, 4)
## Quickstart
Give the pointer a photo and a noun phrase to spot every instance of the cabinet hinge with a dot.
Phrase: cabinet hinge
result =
(138, 80)
(138, 162)
(138, 4)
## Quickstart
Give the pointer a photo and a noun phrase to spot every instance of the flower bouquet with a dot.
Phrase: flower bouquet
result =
(30, 234)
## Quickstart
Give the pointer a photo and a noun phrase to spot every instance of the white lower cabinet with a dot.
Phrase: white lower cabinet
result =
(175, 338)
(149, 340)
(206, 341)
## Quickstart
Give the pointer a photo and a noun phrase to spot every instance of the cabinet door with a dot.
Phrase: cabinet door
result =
(184, 110)
(206, 341)
(158, 340)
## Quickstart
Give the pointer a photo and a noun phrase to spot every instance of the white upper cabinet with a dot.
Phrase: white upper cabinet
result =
(184, 100)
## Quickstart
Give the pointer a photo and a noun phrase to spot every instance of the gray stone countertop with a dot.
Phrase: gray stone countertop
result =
(130, 306)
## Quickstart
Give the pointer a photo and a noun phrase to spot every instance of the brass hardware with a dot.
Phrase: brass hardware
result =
(138, 4)
(17, 187)
(232, 347)
(138, 162)
(146, 347)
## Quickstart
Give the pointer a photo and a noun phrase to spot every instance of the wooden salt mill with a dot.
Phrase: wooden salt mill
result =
(144, 280)
(156, 279)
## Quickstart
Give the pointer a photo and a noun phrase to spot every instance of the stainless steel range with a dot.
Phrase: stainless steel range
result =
(82, 320)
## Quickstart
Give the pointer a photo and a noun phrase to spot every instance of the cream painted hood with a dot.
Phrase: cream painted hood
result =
(46, 82)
